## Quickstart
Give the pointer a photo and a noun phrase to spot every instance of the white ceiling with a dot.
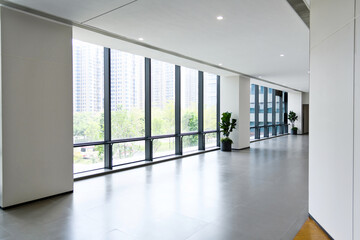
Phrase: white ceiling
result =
(249, 39)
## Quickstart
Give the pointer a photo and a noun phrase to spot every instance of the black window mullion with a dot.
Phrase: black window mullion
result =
(201, 111)
(107, 109)
(148, 141)
(178, 142)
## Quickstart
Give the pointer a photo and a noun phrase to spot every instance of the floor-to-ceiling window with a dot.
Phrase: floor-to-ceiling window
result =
(210, 101)
(189, 108)
(163, 107)
(130, 109)
(278, 116)
(127, 106)
(252, 111)
(268, 112)
(261, 111)
(88, 100)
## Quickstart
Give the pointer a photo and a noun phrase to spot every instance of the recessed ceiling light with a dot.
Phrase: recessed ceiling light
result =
(282, 55)
(220, 64)
(140, 39)
(219, 17)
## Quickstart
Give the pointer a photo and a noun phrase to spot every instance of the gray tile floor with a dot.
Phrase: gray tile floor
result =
(259, 193)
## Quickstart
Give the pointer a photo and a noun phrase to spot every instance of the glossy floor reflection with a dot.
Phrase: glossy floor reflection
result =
(259, 193)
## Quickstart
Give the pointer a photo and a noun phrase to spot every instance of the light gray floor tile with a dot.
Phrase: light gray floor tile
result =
(253, 194)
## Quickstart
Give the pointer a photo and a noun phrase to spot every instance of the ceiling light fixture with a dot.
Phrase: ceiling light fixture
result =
(220, 64)
(140, 39)
(220, 18)
(282, 55)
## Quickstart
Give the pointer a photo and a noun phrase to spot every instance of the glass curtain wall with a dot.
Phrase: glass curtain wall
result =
(210, 101)
(261, 111)
(127, 106)
(129, 109)
(189, 108)
(88, 105)
(278, 118)
(252, 111)
(163, 107)
(268, 110)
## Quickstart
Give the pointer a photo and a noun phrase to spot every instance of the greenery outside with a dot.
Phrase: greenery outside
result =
(89, 126)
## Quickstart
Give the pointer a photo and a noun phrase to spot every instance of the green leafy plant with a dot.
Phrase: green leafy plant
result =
(292, 118)
(227, 125)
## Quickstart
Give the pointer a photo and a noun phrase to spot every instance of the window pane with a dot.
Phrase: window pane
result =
(163, 147)
(261, 106)
(210, 102)
(88, 92)
(270, 131)
(162, 98)
(128, 152)
(189, 100)
(252, 111)
(277, 109)
(269, 106)
(88, 158)
(127, 95)
(190, 143)
(210, 140)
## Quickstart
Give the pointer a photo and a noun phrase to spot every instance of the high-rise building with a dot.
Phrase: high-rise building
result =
(88, 75)
(127, 81)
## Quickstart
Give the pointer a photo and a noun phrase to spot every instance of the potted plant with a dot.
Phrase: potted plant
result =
(227, 125)
(292, 118)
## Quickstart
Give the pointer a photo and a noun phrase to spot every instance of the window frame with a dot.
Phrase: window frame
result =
(282, 110)
(149, 138)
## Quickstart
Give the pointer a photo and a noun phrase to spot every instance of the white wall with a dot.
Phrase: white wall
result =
(357, 129)
(295, 104)
(331, 150)
(235, 98)
(36, 108)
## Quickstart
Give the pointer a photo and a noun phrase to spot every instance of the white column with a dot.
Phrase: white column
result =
(235, 98)
(332, 119)
(36, 108)
(295, 105)
(357, 127)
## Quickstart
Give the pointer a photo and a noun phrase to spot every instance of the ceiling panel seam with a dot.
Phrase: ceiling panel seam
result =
(114, 9)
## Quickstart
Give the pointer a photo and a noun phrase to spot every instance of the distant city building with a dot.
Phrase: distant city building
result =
(162, 83)
(189, 87)
(210, 89)
(128, 81)
(88, 75)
